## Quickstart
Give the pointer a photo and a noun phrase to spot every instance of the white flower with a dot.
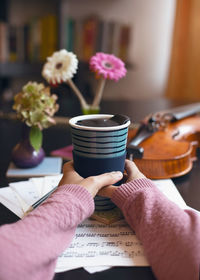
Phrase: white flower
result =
(60, 67)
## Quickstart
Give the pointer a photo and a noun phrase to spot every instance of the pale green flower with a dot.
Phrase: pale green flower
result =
(35, 105)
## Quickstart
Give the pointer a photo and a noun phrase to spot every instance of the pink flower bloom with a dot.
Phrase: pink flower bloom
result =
(108, 66)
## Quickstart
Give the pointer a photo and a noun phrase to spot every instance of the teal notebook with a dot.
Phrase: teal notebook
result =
(49, 166)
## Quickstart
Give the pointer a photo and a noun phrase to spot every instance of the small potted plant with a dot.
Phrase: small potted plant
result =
(35, 107)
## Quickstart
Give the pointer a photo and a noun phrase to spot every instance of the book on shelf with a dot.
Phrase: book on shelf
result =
(110, 43)
(89, 37)
(124, 41)
(106, 36)
(20, 44)
(34, 39)
(26, 43)
(101, 35)
(12, 43)
(115, 38)
(52, 34)
(3, 42)
(49, 36)
(69, 32)
(77, 46)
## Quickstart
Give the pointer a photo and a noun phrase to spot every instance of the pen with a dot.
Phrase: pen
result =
(39, 201)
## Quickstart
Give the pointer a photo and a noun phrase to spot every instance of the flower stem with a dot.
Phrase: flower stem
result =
(78, 94)
(99, 92)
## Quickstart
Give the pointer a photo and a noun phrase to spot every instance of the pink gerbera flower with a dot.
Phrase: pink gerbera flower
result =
(107, 66)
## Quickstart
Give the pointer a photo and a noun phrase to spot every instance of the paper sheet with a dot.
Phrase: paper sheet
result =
(38, 183)
(96, 246)
(95, 269)
(8, 198)
(19, 196)
(26, 191)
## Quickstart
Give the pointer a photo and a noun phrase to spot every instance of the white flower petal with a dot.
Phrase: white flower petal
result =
(69, 64)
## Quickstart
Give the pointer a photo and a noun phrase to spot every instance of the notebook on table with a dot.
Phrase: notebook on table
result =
(49, 166)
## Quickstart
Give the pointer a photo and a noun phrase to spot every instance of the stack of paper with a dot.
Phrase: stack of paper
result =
(95, 245)
(19, 196)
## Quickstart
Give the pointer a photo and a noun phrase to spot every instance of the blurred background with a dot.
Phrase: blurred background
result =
(158, 41)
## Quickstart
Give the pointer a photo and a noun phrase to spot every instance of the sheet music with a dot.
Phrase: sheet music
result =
(96, 246)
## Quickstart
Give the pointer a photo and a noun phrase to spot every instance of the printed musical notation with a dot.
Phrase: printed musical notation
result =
(99, 244)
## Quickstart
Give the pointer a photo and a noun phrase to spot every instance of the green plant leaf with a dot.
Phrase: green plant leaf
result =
(35, 138)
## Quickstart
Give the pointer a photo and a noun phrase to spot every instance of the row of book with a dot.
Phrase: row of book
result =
(92, 34)
(31, 42)
(38, 39)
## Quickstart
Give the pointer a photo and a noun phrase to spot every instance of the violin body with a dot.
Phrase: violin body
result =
(169, 152)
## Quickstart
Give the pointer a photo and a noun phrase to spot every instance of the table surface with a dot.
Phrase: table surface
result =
(59, 136)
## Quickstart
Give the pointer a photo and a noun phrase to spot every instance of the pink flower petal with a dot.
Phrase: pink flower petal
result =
(98, 65)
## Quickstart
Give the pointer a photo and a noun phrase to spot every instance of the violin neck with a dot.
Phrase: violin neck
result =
(133, 147)
(182, 112)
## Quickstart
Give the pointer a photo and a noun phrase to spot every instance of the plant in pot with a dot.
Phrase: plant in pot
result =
(35, 107)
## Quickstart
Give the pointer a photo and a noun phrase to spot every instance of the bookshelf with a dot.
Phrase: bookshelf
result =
(28, 39)
(30, 65)
(15, 66)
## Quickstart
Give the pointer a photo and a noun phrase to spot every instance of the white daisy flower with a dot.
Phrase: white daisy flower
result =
(60, 67)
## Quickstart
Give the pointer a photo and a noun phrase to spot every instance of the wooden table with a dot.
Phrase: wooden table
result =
(59, 136)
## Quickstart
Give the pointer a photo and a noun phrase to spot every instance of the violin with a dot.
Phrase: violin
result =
(165, 144)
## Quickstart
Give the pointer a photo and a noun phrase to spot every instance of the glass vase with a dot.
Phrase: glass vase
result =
(24, 155)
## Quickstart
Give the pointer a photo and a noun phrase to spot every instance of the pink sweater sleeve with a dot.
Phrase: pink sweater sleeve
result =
(170, 235)
(30, 247)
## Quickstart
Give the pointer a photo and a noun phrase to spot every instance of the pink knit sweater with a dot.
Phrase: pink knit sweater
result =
(171, 236)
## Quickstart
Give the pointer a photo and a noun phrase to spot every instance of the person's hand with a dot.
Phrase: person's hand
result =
(93, 184)
(132, 173)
